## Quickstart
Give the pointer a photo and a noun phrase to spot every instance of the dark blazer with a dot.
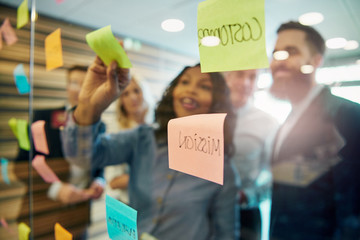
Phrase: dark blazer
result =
(54, 119)
(316, 190)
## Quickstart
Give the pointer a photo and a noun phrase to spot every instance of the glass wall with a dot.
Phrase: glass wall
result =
(32, 93)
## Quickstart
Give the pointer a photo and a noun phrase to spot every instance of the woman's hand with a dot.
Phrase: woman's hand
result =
(102, 85)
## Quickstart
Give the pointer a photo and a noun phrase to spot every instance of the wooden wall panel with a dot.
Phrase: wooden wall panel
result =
(156, 66)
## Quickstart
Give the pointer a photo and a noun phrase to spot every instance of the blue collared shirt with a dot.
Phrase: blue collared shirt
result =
(170, 204)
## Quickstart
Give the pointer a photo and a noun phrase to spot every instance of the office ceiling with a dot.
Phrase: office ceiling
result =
(141, 19)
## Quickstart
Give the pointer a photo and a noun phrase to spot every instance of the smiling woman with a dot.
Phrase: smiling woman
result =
(145, 149)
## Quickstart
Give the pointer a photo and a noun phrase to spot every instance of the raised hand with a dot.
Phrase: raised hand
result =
(102, 85)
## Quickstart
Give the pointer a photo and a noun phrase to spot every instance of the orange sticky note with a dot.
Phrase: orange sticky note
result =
(24, 231)
(53, 50)
(39, 136)
(8, 32)
(22, 14)
(61, 233)
(196, 146)
(43, 169)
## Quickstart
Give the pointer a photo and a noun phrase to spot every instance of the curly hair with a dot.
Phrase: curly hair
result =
(221, 103)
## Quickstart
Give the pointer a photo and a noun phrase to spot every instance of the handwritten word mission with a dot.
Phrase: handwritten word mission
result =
(197, 143)
(196, 146)
(234, 33)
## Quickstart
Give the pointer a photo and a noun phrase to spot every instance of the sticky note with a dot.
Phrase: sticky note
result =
(21, 80)
(61, 233)
(4, 223)
(43, 169)
(12, 124)
(6, 226)
(22, 14)
(19, 128)
(22, 131)
(196, 146)
(240, 27)
(121, 220)
(53, 50)
(4, 170)
(8, 32)
(24, 231)
(105, 45)
(39, 136)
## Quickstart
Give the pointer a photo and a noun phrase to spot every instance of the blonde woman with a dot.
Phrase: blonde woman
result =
(134, 106)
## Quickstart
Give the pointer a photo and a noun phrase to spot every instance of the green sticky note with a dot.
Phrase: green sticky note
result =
(239, 26)
(22, 131)
(12, 124)
(105, 45)
(22, 14)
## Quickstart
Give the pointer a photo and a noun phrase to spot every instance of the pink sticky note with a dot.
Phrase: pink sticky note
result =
(6, 226)
(44, 170)
(196, 146)
(4, 223)
(8, 32)
(39, 136)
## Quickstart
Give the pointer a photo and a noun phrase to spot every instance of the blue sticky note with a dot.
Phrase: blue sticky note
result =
(4, 170)
(21, 79)
(121, 220)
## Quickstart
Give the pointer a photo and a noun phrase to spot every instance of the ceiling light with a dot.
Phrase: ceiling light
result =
(128, 43)
(335, 43)
(172, 25)
(307, 69)
(210, 41)
(311, 18)
(281, 55)
(351, 45)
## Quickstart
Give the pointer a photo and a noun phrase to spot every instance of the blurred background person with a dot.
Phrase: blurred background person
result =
(78, 188)
(315, 165)
(252, 138)
(135, 106)
(82, 184)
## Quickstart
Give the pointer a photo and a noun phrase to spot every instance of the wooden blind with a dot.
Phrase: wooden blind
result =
(157, 67)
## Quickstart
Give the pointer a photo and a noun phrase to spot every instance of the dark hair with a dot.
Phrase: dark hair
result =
(221, 103)
(76, 68)
(313, 37)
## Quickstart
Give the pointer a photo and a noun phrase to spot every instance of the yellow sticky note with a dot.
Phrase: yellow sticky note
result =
(196, 146)
(239, 27)
(61, 233)
(24, 231)
(53, 50)
(22, 15)
(105, 45)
